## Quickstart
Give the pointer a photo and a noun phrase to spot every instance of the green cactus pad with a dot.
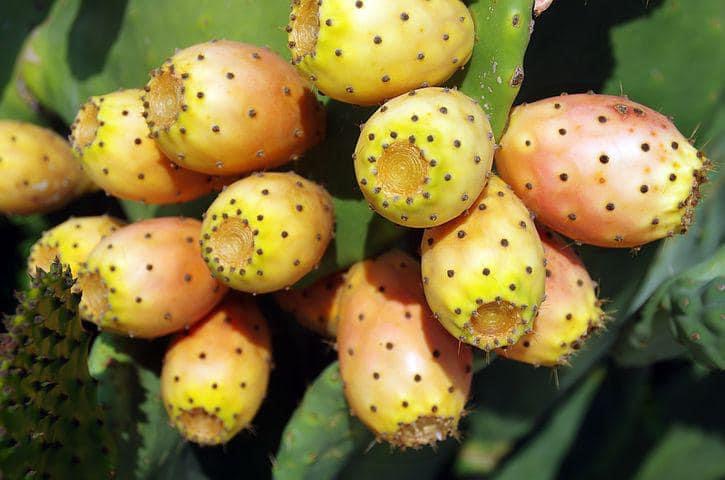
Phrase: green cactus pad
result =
(129, 388)
(496, 70)
(51, 423)
(321, 436)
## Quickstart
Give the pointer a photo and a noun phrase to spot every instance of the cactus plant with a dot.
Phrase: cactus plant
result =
(52, 423)
(637, 422)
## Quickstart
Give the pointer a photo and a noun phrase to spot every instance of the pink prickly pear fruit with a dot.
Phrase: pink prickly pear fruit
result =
(37, 170)
(483, 273)
(147, 279)
(540, 6)
(366, 52)
(316, 307)
(404, 376)
(226, 108)
(601, 169)
(111, 139)
(424, 157)
(570, 313)
(71, 242)
(214, 377)
(265, 232)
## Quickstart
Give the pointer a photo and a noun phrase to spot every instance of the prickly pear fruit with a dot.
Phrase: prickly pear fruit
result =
(225, 108)
(570, 313)
(483, 273)
(37, 170)
(110, 138)
(215, 376)
(404, 376)
(367, 51)
(602, 169)
(266, 231)
(424, 157)
(71, 242)
(540, 6)
(316, 307)
(147, 279)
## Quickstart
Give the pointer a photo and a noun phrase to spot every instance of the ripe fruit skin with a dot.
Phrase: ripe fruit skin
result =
(483, 273)
(226, 108)
(366, 52)
(316, 307)
(147, 280)
(541, 5)
(215, 376)
(404, 376)
(110, 137)
(37, 170)
(71, 241)
(265, 232)
(601, 169)
(570, 313)
(424, 157)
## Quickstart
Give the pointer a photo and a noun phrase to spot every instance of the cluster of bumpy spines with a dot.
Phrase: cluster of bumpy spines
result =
(404, 376)
(148, 280)
(317, 306)
(111, 139)
(215, 376)
(424, 157)
(71, 242)
(266, 231)
(37, 170)
(602, 169)
(364, 52)
(226, 108)
(570, 313)
(483, 273)
(51, 425)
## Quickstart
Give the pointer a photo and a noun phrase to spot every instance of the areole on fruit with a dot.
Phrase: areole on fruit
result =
(86, 125)
(94, 301)
(495, 319)
(402, 169)
(164, 97)
(233, 242)
(307, 26)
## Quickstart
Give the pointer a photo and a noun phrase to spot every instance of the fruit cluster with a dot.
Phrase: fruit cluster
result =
(493, 273)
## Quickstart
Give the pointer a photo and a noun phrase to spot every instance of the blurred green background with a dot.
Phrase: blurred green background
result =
(643, 400)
